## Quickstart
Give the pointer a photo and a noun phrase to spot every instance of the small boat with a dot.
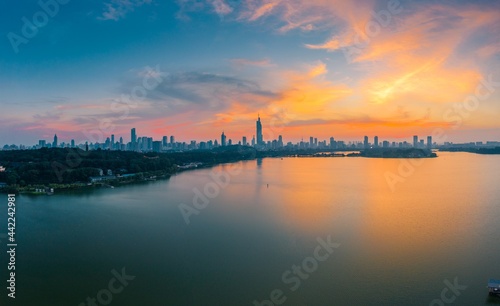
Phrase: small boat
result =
(494, 287)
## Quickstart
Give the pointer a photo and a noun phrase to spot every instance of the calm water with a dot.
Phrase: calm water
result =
(396, 247)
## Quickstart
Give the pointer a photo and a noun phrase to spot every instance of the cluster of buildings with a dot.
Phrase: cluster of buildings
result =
(417, 143)
(148, 144)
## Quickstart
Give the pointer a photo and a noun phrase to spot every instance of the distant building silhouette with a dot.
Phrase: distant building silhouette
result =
(375, 141)
(54, 143)
(429, 142)
(260, 140)
(133, 136)
(415, 141)
(223, 140)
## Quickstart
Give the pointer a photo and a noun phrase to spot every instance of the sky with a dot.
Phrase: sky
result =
(194, 68)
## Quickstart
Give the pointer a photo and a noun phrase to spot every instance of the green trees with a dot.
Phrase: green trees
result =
(67, 166)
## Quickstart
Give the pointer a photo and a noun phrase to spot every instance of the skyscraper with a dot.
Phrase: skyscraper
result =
(54, 143)
(244, 140)
(157, 146)
(429, 142)
(415, 141)
(375, 141)
(365, 142)
(260, 140)
(133, 137)
(223, 140)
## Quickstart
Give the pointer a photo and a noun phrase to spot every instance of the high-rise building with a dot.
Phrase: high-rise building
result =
(415, 141)
(429, 142)
(157, 146)
(260, 140)
(150, 143)
(223, 140)
(42, 143)
(311, 142)
(172, 140)
(164, 141)
(253, 141)
(365, 142)
(133, 136)
(144, 143)
(375, 141)
(72, 143)
(54, 143)
(244, 140)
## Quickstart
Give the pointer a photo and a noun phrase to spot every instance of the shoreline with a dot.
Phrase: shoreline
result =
(144, 177)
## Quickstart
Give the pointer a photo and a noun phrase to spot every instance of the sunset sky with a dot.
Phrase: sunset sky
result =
(310, 68)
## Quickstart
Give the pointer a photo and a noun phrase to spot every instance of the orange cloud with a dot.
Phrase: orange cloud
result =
(310, 94)
(419, 63)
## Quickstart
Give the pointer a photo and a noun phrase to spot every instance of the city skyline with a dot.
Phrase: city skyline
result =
(148, 143)
(395, 68)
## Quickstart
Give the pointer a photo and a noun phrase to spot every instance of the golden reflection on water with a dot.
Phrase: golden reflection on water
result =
(431, 210)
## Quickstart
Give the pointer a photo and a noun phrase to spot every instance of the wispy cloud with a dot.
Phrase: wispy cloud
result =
(118, 9)
(191, 90)
(242, 62)
(307, 15)
(221, 7)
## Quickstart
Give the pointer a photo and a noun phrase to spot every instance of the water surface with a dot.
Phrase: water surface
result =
(397, 246)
